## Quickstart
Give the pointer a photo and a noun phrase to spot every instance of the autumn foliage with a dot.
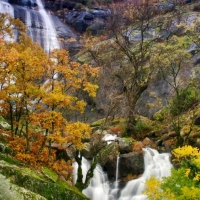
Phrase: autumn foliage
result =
(39, 94)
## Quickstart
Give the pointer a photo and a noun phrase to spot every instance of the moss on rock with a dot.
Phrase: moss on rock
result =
(50, 174)
(38, 183)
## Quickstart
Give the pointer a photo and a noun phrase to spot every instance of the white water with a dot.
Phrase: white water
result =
(43, 32)
(51, 36)
(6, 8)
(109, 138)
(156, 164)
(117, 173)
(85, 167)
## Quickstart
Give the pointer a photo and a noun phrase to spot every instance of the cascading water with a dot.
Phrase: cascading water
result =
(85, 167)
(117, 173)
(156, 164)
(6, 8)
(51, 41)
(40, 26)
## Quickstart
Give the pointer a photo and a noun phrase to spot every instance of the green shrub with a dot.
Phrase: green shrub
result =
(186, 99)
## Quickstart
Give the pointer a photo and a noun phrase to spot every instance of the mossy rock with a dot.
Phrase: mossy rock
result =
(50, 174)
(5, 149)
(111, 150)
(36, 182)
(27, 194)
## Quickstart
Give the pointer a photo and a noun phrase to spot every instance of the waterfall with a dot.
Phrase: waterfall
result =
(51, 36)
(85, 167)
(117, 173)
(156, 164)
(99, 186)
(40, 26)
(6, 8)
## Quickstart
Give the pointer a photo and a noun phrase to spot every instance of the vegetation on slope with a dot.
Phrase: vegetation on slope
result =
(42, 94)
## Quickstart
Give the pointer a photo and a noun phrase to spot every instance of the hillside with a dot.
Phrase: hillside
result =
(135, 81)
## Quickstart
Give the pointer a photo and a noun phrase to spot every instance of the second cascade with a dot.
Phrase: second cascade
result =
(100, 188)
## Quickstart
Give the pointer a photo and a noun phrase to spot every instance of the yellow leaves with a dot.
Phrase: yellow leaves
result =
(80, 106)
(57, 138)
(76, 132)
(187, 172)
(54, 98)
(196, 177)
(154, 191)
(191, 193)
(186, 152)
(91, 89)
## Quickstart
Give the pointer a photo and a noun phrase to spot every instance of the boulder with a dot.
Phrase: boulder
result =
(87, 152)
(81, 20)
(125, 145)
(128, 164)
(107, 153)
(38, 183)
(4, 124)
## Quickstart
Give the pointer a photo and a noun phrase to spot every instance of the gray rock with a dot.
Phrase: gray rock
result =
(196, 59)
(107, 153)
(125, 146)
(81, 20)
(87, 151)
(129, 164)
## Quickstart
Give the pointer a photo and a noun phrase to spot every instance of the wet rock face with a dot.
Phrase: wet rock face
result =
(129, 164)
(29, 3)
(81, 20)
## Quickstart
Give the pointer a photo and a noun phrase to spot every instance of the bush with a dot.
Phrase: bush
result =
(186, 99)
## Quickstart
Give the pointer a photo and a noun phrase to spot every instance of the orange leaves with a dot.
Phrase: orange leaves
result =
(65, 80)
(63, 168)
(37, 90)
(18, 144)
(45, 119)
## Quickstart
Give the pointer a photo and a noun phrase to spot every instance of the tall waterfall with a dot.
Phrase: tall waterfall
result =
(51, 36)
(156, 164)
(40, 26)
(6, 8)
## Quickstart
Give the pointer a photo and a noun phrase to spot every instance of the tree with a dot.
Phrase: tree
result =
(24, 65)
(126, 53)
(35, 89)
(172, 68)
